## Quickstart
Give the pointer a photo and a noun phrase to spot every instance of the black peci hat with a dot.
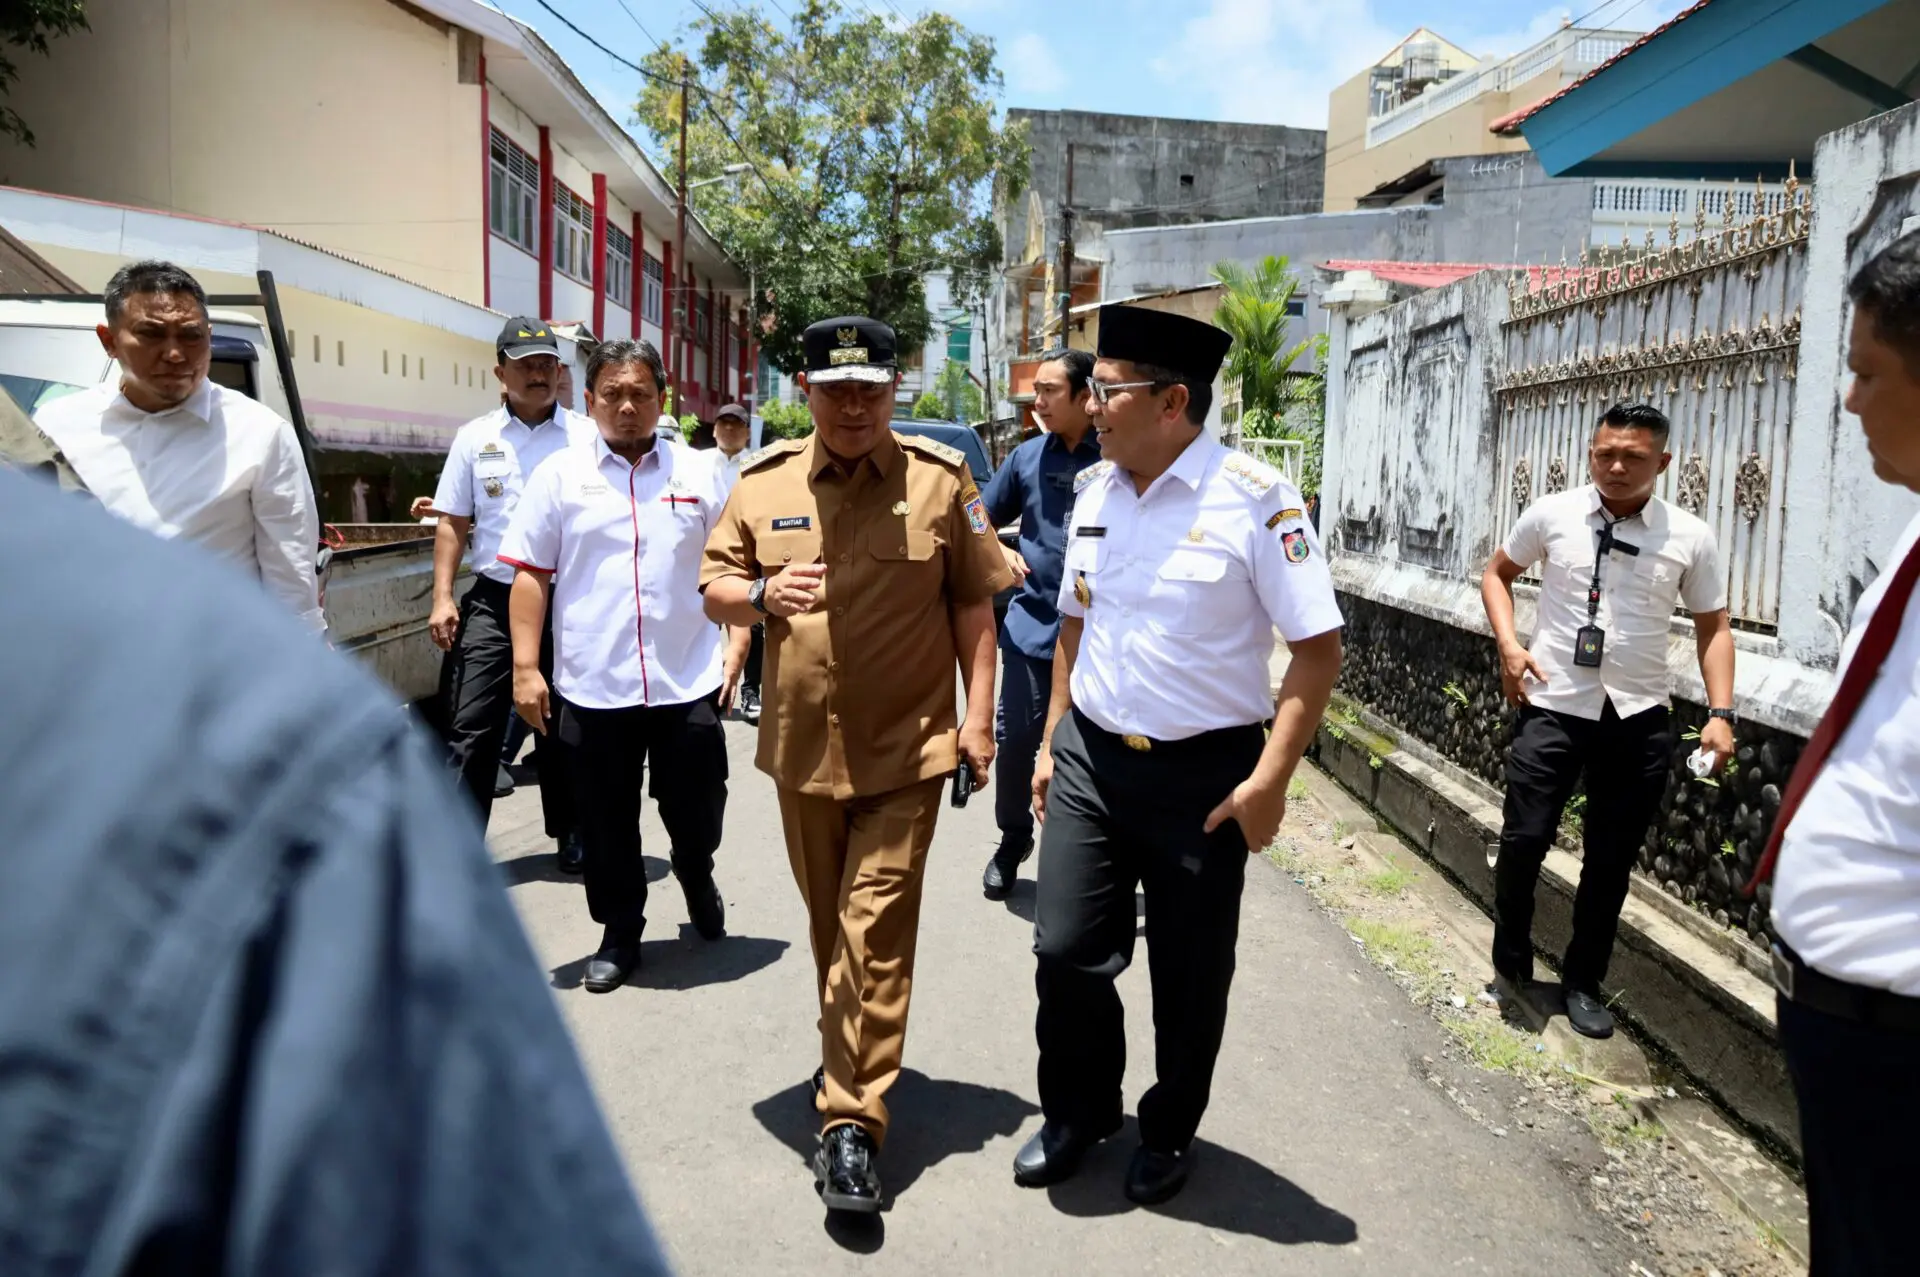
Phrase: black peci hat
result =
(1140, 336)
(850, 348)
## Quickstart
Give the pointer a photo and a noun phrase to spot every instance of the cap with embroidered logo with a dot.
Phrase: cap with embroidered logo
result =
(524, 336)
(850, 348)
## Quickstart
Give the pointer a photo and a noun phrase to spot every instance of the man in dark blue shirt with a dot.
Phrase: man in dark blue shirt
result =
(1035, 483)
(265, 1008)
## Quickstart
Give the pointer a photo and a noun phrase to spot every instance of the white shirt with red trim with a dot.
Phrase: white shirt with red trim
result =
(624, 544)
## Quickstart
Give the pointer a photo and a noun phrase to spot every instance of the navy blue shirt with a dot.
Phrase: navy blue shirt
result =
(1035, 482)
(265, 1009)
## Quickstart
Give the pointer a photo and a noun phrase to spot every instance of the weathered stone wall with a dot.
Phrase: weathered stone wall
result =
(1440, 684)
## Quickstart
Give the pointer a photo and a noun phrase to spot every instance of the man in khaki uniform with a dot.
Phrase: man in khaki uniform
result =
(871, 560)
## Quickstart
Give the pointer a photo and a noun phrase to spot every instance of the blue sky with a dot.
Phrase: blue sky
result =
(1259, 61)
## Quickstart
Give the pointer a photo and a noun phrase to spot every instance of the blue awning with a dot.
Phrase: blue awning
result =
(1729, 88)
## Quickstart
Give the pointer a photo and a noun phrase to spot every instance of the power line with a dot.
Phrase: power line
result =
(623, 61)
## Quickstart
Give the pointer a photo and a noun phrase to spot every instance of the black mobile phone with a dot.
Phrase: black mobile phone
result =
(962, 783)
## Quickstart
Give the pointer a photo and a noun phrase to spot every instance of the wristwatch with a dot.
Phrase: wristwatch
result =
(757, 595)
(1722, 713)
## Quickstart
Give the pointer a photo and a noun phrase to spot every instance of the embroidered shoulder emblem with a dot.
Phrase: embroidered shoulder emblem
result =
(934, 448)
(1256, 478)
(1097, 470)
(785, 447)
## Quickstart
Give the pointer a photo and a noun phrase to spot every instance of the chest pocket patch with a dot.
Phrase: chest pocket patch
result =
(1086, 554)
(492, 478)
(1193, 592)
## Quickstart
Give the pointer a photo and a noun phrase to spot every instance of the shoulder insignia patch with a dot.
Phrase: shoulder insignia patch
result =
(1253, 477)
(934, 448)
(1291, 512)
(785, 447)
(1095, 471)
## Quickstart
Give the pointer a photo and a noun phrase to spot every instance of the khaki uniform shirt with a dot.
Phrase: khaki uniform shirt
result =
(858, 693)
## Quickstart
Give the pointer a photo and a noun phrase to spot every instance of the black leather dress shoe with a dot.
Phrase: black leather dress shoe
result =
(1154, 1177)
(843, 1170)
(502, 782)
(572, 857)
(608, 969)
(1004, 869)
(1053, 1154)
(1588, 1015)
(705, 908)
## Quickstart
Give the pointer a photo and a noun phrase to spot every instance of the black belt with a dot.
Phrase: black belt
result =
(1205, 743)
(1801, 985)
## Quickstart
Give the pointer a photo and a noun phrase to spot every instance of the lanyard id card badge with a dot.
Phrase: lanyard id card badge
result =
(1590, 641)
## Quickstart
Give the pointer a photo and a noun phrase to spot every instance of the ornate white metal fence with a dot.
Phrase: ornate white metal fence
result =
(1708, 331)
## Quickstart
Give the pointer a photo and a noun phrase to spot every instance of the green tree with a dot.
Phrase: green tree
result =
(1276, 400)
(785, 421)
(931, 407)
(875, 152)
(28, 24)
(959, 396)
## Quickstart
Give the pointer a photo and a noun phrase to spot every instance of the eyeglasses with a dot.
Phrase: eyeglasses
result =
(1102, 390)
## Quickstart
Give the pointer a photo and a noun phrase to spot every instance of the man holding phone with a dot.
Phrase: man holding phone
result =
(1593, 692)
(871, 560)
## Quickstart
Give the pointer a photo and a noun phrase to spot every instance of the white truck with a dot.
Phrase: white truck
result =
(376, 579)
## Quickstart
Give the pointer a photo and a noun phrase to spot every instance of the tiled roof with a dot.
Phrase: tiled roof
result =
(1418, 274)
(1510, 123)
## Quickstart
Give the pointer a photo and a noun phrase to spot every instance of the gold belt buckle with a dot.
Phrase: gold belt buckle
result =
(1140, 743)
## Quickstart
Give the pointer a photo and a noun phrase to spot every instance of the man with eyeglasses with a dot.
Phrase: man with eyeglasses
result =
(1034, 485)
(870, 557)
(1182, 560)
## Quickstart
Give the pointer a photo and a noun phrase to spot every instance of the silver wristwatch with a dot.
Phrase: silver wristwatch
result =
(757, 595)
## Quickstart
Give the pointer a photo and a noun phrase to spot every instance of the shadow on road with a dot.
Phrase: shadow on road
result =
(544, 866)
(686, 963)
(933, 1120)
(1229, 1192)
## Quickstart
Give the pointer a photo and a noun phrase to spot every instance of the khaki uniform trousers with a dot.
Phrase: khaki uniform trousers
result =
(859, 864)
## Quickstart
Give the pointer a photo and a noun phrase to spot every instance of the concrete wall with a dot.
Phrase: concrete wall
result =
(270, 113)
(1842, 522)
(1356, 169)
(1498, 209)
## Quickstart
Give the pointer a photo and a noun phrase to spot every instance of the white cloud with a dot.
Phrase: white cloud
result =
(1033, 69)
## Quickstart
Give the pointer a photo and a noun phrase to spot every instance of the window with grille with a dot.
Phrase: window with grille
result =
(572, 235)
(653, 278)
(619, 266)
(513, 194)
(703, 321)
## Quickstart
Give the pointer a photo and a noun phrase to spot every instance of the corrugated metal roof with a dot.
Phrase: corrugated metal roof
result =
(1418, 274)
(1510, 123)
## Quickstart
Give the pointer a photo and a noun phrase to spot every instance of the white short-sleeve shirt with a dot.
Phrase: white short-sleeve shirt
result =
(221, 470)
(1846, 894)
(487, 468)
(623, 543)
(1181, 587)
(1678, 563)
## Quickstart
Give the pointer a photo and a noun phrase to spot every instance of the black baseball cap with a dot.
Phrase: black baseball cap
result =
(850, 348)
(1190, 347)
(524, 336)
(734, 410)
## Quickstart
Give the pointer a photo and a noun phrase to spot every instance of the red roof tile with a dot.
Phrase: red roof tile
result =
(1510, 123)
(1418, 274)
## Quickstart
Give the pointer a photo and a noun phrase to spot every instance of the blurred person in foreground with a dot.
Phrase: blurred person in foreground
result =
(271, 1013)
(1846, 903)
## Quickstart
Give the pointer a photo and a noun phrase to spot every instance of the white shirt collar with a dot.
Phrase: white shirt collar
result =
(199, 404)
(1652, 514)
(1190, 467)
(653, 456)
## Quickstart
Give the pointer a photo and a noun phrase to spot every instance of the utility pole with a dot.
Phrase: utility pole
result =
(679, 294)
(1066, 249)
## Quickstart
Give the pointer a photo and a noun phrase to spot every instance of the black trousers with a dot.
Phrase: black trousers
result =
(686, 749)
(1117, 817)
(1026, 685)
(1859, 1127)
(1624, 761)
(756, 656)
(476, 697)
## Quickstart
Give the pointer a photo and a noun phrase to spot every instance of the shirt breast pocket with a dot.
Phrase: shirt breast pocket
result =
(1086, 554)
(1196, 592)
(777, 550)
(492, 481)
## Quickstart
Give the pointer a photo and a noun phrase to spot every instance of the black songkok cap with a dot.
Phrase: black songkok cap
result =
(1189, 347)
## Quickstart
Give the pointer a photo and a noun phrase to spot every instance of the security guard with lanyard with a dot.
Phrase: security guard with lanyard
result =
(1183, 558)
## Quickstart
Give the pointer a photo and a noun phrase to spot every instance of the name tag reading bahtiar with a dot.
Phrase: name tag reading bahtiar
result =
(793, 523)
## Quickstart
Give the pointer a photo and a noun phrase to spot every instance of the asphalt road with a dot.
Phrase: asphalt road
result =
(1326, 1149)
